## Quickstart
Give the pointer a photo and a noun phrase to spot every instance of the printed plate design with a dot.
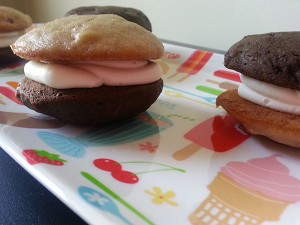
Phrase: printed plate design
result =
(183, 161)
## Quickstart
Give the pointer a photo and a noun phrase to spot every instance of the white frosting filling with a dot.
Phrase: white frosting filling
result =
(93, 74)
(269, 95)
(6, 39)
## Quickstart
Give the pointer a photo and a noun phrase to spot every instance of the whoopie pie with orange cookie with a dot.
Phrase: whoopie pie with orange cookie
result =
(268, 100)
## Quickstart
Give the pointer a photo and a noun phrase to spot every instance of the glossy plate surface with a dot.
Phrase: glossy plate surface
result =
(184, 161)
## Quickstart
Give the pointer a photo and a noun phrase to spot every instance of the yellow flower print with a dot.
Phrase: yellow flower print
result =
(160, 198)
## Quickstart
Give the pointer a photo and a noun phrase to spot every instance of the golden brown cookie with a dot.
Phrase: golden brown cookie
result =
(279, 126)
(13, 20)
(90, 37)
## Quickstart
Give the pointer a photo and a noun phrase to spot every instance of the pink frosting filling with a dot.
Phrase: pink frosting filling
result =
(92, 74)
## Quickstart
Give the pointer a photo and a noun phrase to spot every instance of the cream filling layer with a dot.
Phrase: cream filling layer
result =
(6, 39)
(93, 74)
(269, 95)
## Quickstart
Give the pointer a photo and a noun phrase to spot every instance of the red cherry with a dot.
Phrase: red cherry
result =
(107, 165)
(125, 176)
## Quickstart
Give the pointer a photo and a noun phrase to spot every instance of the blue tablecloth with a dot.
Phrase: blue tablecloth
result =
(23, 200)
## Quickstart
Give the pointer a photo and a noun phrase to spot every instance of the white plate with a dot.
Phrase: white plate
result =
(184, 161)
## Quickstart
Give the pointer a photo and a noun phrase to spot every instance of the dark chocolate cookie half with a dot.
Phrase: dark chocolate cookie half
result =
(89, 106)
(272, 57)
(130, 14)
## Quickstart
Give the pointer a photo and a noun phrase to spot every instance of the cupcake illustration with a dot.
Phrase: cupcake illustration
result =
(248, 193)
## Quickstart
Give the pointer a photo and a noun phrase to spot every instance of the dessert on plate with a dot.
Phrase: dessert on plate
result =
(268, 100)
(13, 24)
(90, 69)
(130, 14)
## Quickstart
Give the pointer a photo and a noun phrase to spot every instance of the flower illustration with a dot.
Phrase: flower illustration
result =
(148, 146)
(95, 197)
(160, 198)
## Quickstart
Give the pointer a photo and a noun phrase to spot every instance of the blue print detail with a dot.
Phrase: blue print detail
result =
(142, 126)
(102, 202)
(62, 144)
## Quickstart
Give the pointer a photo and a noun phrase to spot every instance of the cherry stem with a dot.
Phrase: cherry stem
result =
(160, 164)
(180, 170)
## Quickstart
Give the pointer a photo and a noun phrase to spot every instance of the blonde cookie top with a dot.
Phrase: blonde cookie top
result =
(13, 20)
(88, 37)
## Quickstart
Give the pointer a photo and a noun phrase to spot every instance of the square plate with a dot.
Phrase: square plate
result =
(184, 161)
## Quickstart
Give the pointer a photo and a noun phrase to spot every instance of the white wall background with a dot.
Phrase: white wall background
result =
(215, 24)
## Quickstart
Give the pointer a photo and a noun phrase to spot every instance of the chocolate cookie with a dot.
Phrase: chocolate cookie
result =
(130, 14)
(89, 106)
(271, 57)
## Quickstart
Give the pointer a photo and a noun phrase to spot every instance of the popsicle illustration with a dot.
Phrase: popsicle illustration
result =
(10, 94)
(171, 55)
(13, 84)
(140, 127)
(217, 133)
(164, 66)
(1, 101)
(223, 85)
(177, 94)
(228, 75)
(193, 64)
(209, 90)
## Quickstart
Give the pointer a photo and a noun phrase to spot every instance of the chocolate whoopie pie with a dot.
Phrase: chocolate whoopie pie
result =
(268, 101)
(130, 14)
(90, 69)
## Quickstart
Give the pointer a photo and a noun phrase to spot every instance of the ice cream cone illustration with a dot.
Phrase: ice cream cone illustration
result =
(248, 193)
(193, 64)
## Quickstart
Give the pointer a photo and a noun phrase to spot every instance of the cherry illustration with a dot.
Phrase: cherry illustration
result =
(108, 165)
(124, 176)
